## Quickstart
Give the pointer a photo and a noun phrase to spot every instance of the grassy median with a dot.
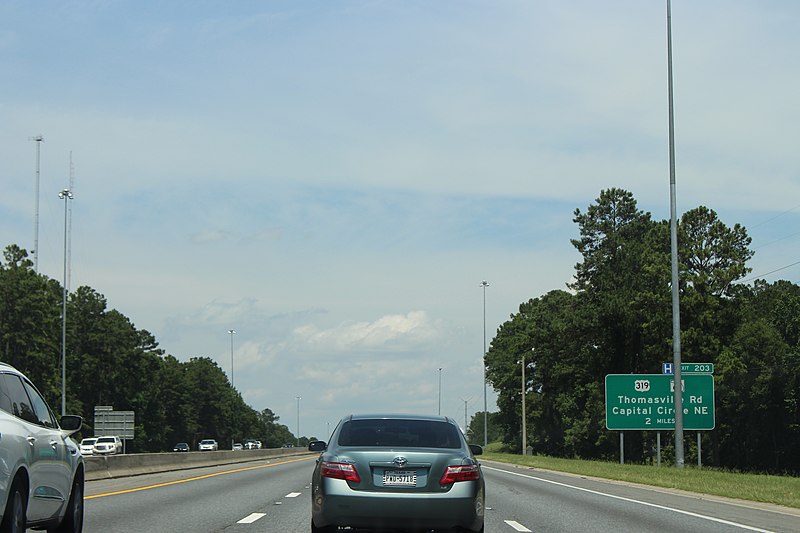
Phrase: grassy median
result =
(780, 490)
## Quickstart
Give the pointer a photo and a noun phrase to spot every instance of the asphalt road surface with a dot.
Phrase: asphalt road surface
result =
(273, 496)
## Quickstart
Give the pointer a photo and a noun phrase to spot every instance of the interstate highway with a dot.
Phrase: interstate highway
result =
(273, 496)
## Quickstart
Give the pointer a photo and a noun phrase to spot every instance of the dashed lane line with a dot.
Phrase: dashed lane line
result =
(249, 519)
(516, 525)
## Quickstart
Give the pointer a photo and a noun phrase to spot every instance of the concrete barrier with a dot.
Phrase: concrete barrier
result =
(134, 464)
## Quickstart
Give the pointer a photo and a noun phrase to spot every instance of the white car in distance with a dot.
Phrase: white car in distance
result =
(208, 445)
(107, 445)
(87, 446)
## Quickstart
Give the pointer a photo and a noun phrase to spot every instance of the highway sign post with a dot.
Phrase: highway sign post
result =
(646, 402)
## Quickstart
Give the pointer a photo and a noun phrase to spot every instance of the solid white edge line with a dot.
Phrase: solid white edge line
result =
(631, 500)
(249, 519)
(516, 525)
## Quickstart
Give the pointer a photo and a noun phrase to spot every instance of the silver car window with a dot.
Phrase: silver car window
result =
(20, 403)
(44, 417)
(5, 399)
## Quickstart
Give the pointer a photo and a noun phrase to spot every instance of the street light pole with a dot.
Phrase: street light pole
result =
(440, 390)
(231, 333)
(524, 436)
(39, 139)
(65, 195)
(673, 225)
(484, 284)
(298, 420)
(524, 427)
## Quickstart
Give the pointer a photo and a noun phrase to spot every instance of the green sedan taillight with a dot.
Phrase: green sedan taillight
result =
(344, 471)
(454, 474)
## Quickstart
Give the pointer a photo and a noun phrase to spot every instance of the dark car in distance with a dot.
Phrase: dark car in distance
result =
(405, 472)
(181, 447)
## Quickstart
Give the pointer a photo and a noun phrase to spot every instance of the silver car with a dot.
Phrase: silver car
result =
(41, 467)
(400, 472)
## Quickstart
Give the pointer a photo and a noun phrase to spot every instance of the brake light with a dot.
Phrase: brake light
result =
(454, 474)
(344, 471)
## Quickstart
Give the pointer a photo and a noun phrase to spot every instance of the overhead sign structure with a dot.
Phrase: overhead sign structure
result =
(647, 401)
(688, 368)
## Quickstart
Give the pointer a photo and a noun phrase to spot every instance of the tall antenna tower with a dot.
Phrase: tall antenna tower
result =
(69, 240)
(38, 139)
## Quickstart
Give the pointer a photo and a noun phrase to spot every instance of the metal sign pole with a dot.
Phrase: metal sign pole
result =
(676, 313)
(658, 447)
(699, 452)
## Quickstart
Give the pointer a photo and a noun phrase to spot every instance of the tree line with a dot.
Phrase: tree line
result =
(616, 318)
(111, 362)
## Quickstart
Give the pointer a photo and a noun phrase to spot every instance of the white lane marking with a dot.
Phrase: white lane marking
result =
(631, 500)
(517, 526)
(293, 495)
(251, 518)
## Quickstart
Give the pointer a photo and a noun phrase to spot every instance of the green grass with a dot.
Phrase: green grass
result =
(780, 490)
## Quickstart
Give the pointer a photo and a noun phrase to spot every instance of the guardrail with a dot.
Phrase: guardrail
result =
(134, 464)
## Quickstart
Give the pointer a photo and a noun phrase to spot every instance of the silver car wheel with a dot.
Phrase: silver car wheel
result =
(14, 516)
(73, 519)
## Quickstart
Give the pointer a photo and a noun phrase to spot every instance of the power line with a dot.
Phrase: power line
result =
(776, 216)
(770, 272)
(795, 234)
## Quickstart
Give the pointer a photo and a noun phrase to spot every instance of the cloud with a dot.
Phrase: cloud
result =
(337, 205)
(210, 236)
(388, 333)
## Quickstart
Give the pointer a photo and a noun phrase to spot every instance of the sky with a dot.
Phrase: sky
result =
(334, 179)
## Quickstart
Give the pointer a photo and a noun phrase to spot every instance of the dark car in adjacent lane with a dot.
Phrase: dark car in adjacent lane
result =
(403, 472)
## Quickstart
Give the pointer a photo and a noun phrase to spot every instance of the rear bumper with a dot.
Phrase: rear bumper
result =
(462, 506)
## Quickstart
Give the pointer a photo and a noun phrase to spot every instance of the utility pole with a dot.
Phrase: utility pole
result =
(231, 333)
(69, 232)
(298, 420)
(484, 284)
(65, 195)
(440, 391)
(524, 427)
(39, 139)
(673, 226)
(466, 427)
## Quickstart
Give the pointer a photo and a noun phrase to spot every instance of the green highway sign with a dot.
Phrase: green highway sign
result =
(688, 368)
(647, 401)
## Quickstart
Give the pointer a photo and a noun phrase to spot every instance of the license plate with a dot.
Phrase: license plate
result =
(400, 478)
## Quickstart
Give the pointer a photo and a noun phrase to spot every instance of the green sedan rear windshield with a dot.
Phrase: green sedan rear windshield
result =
(400, 433)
